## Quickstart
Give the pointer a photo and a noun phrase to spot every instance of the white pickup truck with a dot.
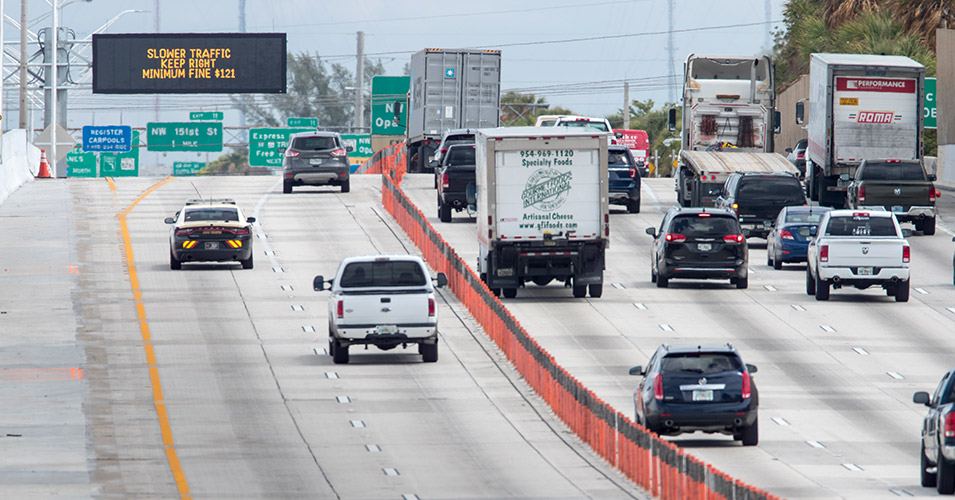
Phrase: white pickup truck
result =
(859, 248)
(382, 300)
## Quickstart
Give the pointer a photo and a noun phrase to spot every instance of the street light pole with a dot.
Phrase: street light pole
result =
(54, 68)
(23, 64)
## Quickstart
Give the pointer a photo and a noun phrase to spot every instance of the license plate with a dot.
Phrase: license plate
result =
(896, 208)
(386, 329)
(702, 395)
(211, 245)
(704, 247)
(865, 271)
(315, 161)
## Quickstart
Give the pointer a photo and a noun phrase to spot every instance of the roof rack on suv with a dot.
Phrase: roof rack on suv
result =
(211, 201)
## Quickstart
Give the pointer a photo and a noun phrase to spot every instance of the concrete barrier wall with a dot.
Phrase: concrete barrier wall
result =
(19, 162)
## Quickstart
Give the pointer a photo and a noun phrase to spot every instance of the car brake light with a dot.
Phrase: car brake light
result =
(341, 309)
(824, 253)
(950, 425)
(702, 214)
(445, 181)
(291, 153)
(444, 150)
(906, 254)
(932, 193)
(658, 387)
(431, 308)
(675, 237)
(786, 235)
(861, 193)
(746, 386)
(339, 152)
(633, 172)
(800, 156)
(738, 238)
(241, 231)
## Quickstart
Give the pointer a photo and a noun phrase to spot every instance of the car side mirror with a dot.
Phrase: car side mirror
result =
(399, 105)
(618, 135)
(671, 119)
(319, 283)
(637, 370)
(921, 398)
(906, 232)
(789, 150)
(652, 231)
(169, 220)
(349, 148)
(813, 230)
(777, 125)
(434, 163)
(250, 219)
(844, 177)
(746, 233)
(932, 177)
(751, 368)
(442, 280)
(800, 113)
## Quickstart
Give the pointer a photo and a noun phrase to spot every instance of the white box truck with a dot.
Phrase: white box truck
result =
(860, 107)
(450, 89)
(543, 208)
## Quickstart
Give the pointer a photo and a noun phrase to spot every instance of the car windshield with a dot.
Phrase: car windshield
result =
(897, 171)
(547, 123)
(596, 125)
(804, 217)
(460, 156)
(383, 274)
(771, 188)
(619, 158)
(860, 225)
(314, 143)
(701, 363)
(695, 226)
(211, 214)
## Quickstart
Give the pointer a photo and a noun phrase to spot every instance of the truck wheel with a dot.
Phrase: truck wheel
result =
(339, 353)
(444, 212)
(662, 281)
(633, 206)
(945, 477)
(902, 291)
(928, 478)
(429, 352)
(580, 291)
(174, 263)
(810, 282)
(742, 282)
(777, 264)
(287, 187)
(346, 186)
(928, 226)
(510, 293)
(822, 289)
(750, 435)
(596, 290)
(769, 258)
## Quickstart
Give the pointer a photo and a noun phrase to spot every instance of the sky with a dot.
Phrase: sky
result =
(574, 53)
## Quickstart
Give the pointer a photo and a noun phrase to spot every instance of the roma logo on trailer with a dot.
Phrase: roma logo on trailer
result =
(875, 117)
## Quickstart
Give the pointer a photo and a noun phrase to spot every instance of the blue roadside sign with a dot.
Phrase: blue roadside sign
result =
(112, 138)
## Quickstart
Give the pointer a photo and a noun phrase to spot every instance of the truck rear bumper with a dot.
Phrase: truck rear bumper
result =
(510, 266)
(915, 213)
(372, 334)
(854, 276)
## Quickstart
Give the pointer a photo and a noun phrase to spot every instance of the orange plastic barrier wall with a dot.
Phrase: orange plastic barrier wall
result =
(654, 464)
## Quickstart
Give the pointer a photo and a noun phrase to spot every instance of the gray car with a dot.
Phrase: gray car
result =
(316, 159)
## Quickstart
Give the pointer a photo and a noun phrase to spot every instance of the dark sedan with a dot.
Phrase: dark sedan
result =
(699, 243)
(690, 388)
(788, 241)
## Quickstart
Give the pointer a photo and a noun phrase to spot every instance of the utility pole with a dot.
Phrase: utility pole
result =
(244, 98)
(156, 29)
(55, 74)
(671, 52)
(24, 21)
(359, 84)
(626, 105)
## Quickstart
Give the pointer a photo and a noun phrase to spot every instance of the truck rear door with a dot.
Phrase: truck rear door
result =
(384, 292)
(861, 238)
(875, 117)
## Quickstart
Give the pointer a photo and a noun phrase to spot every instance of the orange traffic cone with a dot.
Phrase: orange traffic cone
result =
(44, 166)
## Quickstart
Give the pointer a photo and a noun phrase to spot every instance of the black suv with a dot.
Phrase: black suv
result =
(624, 178)
(757, 198)
(457, 180)
(450, 138)
(316, 159)
(689, 388)
(699, 243)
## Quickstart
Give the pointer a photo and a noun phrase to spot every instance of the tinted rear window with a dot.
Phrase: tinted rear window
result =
(694, 226)
(903, 171)
(701, 362)
(460, 156)
(458, 139)
(383, 274)
(314, 143)
(770, 188)
(620, 158)
(860, 226)
(211, 214)
(804, 217)
(601, 126)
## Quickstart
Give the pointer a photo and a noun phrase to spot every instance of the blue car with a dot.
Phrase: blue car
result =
(788, 241)
(624, 178)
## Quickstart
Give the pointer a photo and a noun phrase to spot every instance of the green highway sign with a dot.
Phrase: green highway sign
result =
(267, 145)
(121, 164)
(80, 164)
(385, 91)
(931, 111)
(206, 115)
(186, 168)
(184, 136)
(302, 122)
(361, 145)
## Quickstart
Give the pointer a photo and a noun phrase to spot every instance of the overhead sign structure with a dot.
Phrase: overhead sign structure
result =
(189, 63)
(114, 138)
(206, 115)
(184, 136)
(302, 122)
(930, 114)
(186, 168)
(267, 145)
(385, 92)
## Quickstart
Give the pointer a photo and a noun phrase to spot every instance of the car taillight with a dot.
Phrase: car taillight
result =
(906, 254)
(658, 387)
(734, 238)
(431, 308)
(786, 235)
(861, 193)
(675, 237)
(633, 172)
(341, 309)
(950, 425)
(746, 386)
(800, 156)
(824, 253)
(339, 152)
(932, 193)
(291, 153)
(242, 231)
(183, 232)
(445, 181)
(443, 151)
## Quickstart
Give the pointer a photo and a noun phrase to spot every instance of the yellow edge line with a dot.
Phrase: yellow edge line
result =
(166, 430)
(112, 185)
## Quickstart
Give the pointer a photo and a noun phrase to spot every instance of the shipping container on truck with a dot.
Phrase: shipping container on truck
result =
(860, 107)
(543, 208)
(450, 88)
(729, 106)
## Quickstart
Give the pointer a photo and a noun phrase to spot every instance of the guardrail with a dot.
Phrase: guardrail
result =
(654, 464)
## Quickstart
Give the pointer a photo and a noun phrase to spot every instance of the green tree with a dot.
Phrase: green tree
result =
(236, 162)
(655, 123)
(519, 109)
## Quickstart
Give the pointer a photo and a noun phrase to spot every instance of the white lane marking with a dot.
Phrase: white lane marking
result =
(287, 288)
(308, 329)
(640, 306)
(343, 399)
(922, 291)
(799, 308)
(665, 327)
(780, 421)
(827, 329)
(358, 424)
(951, 309)
(815, 444)
(320, 351)
(374, 448)
(771, 288)
(390, 471)
(852, 467)
(263, 239)
(900, 492)
(860, 351)
(297, 307)
(409, 496)
(895, 375)
(751, 271)
(618, 286)
(277, 269)
(331, 375)
(270, 253)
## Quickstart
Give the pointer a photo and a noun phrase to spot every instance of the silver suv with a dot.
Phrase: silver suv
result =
(316, 159)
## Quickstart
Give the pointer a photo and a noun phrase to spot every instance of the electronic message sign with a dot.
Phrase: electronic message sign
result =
(189, 63)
